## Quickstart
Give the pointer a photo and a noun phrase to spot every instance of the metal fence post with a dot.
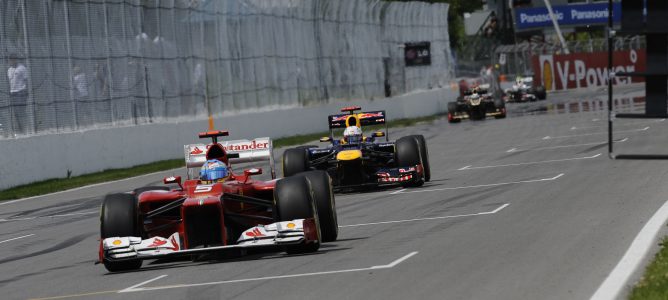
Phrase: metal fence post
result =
(75, 112)
(110, 79)
(31, 97)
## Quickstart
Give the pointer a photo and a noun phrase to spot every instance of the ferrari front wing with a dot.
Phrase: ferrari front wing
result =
(294, 232)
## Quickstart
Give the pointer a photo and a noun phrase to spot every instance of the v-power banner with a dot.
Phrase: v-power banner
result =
(585, 70)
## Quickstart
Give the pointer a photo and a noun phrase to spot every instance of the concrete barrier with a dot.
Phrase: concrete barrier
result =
(35, 158)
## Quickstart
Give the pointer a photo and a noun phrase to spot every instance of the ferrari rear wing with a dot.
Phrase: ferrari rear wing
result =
(238, 151)
(366, 119)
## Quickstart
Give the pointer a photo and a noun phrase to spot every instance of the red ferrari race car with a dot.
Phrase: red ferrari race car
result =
(219, 211)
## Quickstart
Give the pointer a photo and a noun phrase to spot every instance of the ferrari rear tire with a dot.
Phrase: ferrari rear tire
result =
(323, 197)
(407, 153)
(293, 198)
(295, 161)
(118, 218)
(424, 155)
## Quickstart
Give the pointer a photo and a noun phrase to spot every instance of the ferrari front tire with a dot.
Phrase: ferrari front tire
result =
(118, 218)
(323, 197)
(293, 199)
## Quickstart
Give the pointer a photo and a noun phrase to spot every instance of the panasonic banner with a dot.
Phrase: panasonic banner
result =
(573, 15)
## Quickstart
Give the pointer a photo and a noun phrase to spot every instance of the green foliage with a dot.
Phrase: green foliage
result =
(455, 17)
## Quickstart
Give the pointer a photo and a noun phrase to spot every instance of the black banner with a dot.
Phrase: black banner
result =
(417, 54)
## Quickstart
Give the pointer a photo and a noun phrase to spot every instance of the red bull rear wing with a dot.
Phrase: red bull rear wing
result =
(364, 118)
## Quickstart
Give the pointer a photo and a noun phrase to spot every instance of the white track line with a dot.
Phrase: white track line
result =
(618, 125)
(50, 216)
(617, 280)
(85, 187)
(141, 283)
(588, 134)
(137, 288)
(529, 163)
(431, 218)
(481, 185)
(564, 146)
(16, 238)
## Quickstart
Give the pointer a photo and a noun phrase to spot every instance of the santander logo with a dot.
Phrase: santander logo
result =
(196, 151)
(157, 243)
(255, 233)
(251, 145)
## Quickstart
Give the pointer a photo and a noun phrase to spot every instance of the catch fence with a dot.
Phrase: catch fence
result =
(102, 63)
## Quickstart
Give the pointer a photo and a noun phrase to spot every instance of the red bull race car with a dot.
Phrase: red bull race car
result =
(219, 211)
(359, 161)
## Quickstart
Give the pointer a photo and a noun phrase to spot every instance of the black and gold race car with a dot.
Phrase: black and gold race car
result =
(355, 162)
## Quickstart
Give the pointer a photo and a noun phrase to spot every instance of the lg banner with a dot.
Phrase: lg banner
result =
(585, 70)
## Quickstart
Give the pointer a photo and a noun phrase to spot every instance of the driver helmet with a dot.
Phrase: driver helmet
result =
(214, 170)
(352, 135)
(519, 80)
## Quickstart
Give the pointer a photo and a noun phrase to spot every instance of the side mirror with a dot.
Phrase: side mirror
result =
(325, 139)
(173, 179)
(253, 171)
(378, 134)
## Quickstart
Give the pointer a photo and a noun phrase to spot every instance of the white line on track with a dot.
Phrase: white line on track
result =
(481, 185)
(397, 192)
(138, 288)
(564, 146)
(617, 280)
(529, 163)
(142, 283)
(430, 218)
(50, 216)
(625, 124)
(16, 238)
(547, 137)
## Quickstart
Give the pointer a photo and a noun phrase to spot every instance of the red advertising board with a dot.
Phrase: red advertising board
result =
(585, 70)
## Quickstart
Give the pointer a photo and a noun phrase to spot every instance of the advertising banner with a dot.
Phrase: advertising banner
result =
(417, 54)
(573, 14)
(585, 70)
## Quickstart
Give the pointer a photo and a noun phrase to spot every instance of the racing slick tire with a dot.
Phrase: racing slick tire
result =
(119, 218)
(293, 199)
(407, 153)
(499, 104)
(295, 161)
(140, 190)
(540, 92)
(323, 197)
(424, 154)
(452, 109)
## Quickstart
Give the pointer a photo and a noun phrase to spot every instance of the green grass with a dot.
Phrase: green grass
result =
(61, 184)
(654, 283)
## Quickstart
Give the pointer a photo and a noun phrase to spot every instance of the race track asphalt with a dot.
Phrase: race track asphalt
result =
(527, 207)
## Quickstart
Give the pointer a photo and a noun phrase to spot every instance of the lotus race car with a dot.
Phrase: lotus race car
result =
(227, 217)
(358, 161)
(477, 103)
(524, 91)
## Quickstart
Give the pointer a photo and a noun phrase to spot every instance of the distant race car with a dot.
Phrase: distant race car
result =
(359, 161)
(476, 103)
(524, 91)
(224, 213)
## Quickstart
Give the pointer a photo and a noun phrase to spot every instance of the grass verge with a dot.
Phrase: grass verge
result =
(61, 184)
(654, 283)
